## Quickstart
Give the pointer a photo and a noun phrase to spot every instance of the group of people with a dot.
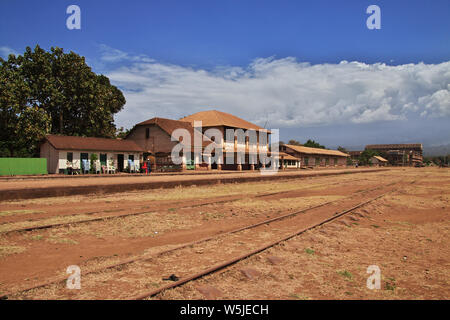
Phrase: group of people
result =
(147, 166)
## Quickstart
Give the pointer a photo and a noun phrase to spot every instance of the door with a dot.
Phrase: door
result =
(120, 159)
(103, 159)
(84, 156)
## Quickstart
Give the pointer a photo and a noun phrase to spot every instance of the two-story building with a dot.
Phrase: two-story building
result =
(241, 141)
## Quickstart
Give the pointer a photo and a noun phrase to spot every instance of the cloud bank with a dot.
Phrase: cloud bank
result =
(284, 92)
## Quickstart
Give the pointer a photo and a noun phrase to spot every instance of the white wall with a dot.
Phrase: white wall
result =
(76, 163)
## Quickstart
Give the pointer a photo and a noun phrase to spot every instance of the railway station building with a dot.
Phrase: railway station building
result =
(243, 147)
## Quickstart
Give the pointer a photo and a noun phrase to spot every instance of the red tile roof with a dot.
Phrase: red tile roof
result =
(287, 156)
(308, 150)
(214, 118)
(169, 125)
(60, 142)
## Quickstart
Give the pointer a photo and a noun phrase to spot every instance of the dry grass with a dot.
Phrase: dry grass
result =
(18, 212)
(53, 220)
(144, 225)
(7, 248)
(294, 203)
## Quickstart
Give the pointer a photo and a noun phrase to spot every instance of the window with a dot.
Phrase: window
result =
(327, 161)
(70, 156)
(147, 133)
(335, 161)
(306, 161)
(317, 161)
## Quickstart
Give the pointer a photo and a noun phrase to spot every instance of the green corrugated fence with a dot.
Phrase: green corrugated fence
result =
(18, 166)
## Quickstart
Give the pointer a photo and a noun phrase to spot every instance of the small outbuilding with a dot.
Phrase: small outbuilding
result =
(288, 161)
(378, 161)
(83, 154)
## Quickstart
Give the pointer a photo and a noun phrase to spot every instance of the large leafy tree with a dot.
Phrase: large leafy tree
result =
(45, 92)
(366, 155)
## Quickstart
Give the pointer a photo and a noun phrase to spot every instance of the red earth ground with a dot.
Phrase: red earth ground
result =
(326, 262)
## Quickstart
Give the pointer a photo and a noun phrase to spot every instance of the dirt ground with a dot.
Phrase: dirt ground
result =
(405, 233)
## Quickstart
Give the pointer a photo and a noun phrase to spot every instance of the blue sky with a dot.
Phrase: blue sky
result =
(274, 62)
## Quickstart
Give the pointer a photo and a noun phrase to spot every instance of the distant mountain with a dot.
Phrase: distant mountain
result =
(431, 151)
(353, 148)
(428, 150)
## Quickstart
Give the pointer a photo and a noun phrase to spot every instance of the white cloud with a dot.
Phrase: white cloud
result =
(6, 51)
(285, 92)
(437, 104)
(109, 54)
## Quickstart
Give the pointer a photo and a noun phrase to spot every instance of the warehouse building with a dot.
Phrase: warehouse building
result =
(354, 156)
(316, 157)
(400, 154)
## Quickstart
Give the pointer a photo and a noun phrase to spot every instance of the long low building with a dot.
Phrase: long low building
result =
(76, 154)
(315, 157)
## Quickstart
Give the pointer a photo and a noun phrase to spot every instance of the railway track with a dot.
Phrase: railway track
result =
(246, 255)
(129, 214)
(196, 275)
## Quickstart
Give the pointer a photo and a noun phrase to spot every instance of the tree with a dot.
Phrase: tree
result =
(53, 92)
(366, 155)
(312, 144)
(294, 142)
(342, 149)
(121, 133)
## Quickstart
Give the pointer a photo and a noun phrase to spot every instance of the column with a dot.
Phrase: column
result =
(197, 161)
(209, 162)
(184, 162)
